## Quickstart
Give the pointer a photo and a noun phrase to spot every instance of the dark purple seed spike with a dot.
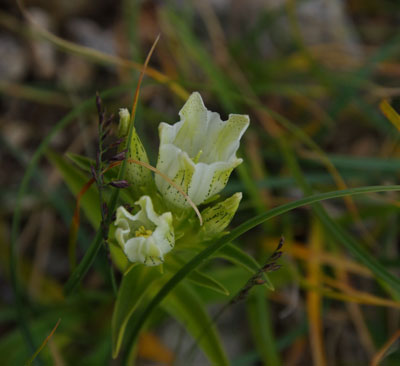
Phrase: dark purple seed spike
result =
(117, 143)
(119, 157)
(98, 103)
(105, 134)
(280, 245)
(108, 122)
(275, 256)
(93, 171)
(105, 209)
(98, 159)
(119, 184)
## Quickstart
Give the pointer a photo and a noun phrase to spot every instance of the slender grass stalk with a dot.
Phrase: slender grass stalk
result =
(20, 304)
(89, 257)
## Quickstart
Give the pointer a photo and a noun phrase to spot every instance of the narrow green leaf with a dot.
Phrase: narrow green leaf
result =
(201, 279)
(81, 161)
(197, 277)
(390, 113)
(261, 327)
(236, 255)
(246, 226)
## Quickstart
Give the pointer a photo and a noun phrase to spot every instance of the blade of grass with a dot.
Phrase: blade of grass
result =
(390, 113)
(381, 353)
(29, 362)
(334, 229)
(314, 301)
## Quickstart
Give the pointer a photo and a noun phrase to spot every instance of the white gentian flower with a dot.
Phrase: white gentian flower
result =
(145, 237)
(198, 153)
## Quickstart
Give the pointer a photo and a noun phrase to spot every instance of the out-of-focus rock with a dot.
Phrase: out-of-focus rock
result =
(88, 33)
(13, 60)
(75, 73)
(43, 53)
(326, 22)
(323, 25)
(16, 132)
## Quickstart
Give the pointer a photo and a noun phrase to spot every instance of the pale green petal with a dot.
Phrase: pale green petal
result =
(135, 174)
(169, 162)
(209, 179)
(226, 142)
(194, 117)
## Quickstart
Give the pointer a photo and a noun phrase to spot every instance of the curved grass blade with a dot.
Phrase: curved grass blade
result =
(203, 256)
(259, 316)
(30, 361)
(134, 287)
(98, 56)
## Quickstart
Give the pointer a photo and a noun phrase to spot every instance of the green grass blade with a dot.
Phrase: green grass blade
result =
(185, 305)
(260, 322)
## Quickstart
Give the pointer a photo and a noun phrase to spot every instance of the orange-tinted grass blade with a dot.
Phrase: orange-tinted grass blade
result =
(314, 300)
(379, 356)
(100, 57)
(73, 230)
(136, 97)
(390, 113)
(29, 362)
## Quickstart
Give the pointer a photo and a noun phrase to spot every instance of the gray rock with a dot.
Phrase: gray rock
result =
(13, 60)
(43, 52)
(88, 33)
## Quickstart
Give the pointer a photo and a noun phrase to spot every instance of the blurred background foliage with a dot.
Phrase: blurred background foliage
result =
(312, 75)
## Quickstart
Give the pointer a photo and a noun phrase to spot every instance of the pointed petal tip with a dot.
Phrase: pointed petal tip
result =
(240, 118)
(194, 103)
